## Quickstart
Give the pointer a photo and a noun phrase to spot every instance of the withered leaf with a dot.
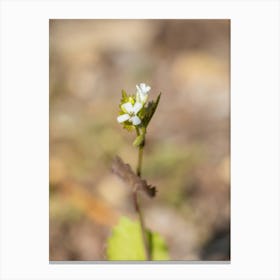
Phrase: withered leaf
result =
(125, 172)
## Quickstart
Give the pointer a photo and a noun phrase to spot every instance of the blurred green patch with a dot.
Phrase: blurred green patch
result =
(172, 166)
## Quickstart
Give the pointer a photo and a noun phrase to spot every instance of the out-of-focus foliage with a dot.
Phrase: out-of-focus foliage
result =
(187, 145)
(126, 243)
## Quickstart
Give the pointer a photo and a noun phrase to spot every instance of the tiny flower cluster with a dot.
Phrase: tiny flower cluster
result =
(131, 106)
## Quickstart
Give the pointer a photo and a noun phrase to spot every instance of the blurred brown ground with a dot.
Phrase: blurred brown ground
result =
(187, 154)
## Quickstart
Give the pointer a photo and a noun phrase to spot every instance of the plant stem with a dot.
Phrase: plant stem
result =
(143, 229)
(139, 164)
(137, 204)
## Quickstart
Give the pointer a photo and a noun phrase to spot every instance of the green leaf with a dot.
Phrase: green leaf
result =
(126, 243)
(158, 245)
(150, 110)
(124, 98)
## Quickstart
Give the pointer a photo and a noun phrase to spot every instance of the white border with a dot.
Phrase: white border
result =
(254, 138)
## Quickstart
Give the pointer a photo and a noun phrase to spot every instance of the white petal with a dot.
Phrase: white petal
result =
(127, 107)
(138, 88)
(137, 107)
(144, 88)
(123, 118)
(135, 120)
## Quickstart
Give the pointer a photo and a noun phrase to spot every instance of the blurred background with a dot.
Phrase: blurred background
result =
(187, 153)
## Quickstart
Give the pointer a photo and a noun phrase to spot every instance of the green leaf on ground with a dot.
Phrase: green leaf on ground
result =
(126, 243)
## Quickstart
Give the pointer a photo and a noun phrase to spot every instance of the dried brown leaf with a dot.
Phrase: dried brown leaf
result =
(125, 172)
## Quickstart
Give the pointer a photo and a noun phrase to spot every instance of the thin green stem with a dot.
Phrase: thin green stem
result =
(137, 203)
(140, 155)
(139, 163)
(142, 225)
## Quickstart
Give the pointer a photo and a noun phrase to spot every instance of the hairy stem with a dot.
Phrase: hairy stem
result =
(137, 204)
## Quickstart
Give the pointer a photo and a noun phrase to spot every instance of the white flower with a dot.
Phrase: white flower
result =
(142, 92)
(130, 113)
